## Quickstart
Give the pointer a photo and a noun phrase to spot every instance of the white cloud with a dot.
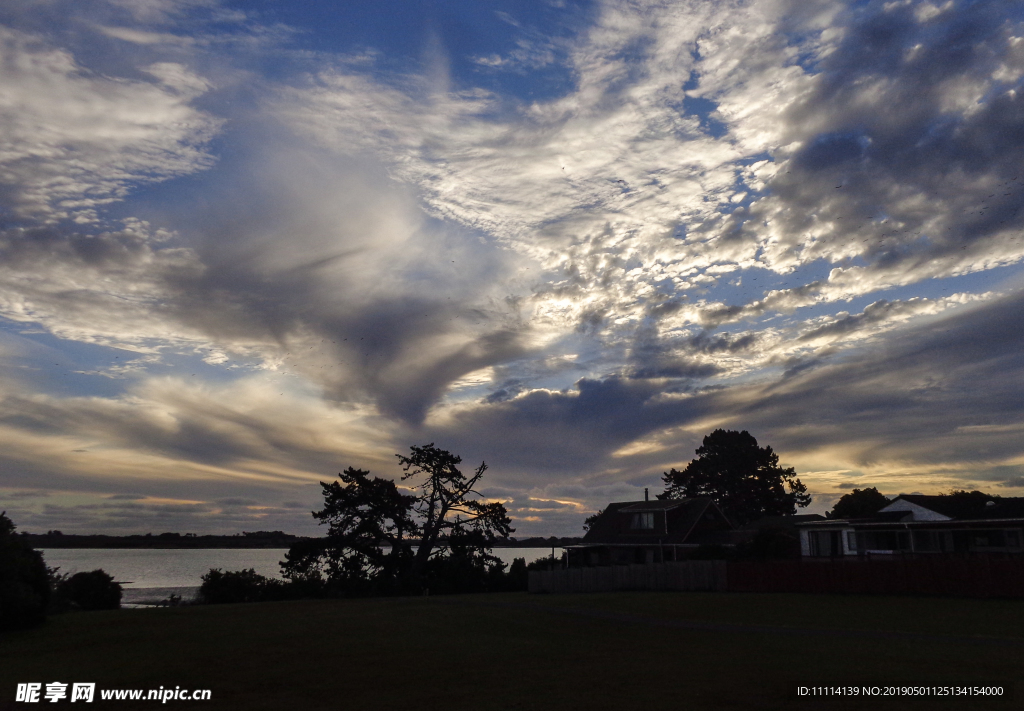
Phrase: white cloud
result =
(106, 288)
(72, 140)
(622, 194)
(608, 271)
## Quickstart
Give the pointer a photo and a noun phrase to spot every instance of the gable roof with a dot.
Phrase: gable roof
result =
(684, 514)
(657, 505)
(907, 508)
(951, 506)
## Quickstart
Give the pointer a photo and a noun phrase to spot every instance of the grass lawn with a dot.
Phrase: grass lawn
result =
(516, 651)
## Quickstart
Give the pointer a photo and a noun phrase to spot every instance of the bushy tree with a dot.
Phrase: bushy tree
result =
(366, 548)
(24, 583)
(859, 503)
(95, 590)
(591, 520)
(960, 503)
(518, 575)
(380, 540)
(448, 506)
(745, 480)
(231, 586)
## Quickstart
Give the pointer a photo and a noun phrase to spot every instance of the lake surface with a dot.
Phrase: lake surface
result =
(177, 567)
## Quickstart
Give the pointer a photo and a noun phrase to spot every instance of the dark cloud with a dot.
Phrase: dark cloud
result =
(831, 149)
(945, 391)
(571, 431)
(847, 323)
(539, 505)
(906, 135)
(15, 495)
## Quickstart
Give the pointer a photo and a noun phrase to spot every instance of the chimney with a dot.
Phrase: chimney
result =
(646, 496)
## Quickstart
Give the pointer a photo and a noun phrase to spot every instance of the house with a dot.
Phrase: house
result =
(650, 531)
(922, 525)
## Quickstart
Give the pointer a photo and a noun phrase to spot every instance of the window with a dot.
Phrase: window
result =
(825, 544)
(992, 538)
(642, 521)
(851, 540)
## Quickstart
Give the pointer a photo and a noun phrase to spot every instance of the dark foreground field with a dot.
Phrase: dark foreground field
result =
(514, 651)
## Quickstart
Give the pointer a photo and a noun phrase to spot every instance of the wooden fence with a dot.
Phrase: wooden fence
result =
(685, 575)
(962, 577)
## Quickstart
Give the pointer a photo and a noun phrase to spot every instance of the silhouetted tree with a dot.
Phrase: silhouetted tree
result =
(448, 506)
(589, 520)
(745, 480)
(95, 590)
(859, 503)
(240, 586)
(960, 503)
(518, 575)
(380, 540)
(24, 583)
(366, 547)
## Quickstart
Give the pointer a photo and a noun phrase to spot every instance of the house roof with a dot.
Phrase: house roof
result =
(859, 524)
(683, 514)
(780, 521)
(951, 506)
(890, 516)
(665, 505)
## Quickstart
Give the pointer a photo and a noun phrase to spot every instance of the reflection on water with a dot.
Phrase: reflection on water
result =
(168, 568)
(163, 568)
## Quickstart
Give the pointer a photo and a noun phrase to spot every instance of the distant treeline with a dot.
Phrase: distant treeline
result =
(537, 542)
(246, 539)
(256, 539)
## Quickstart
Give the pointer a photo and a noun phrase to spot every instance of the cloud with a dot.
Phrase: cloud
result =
(694, 230)
(623, 194)
(905, 402)
(938, 392)
(98, 288)
(73, 141)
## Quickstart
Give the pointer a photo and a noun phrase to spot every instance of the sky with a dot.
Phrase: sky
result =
(246, 245)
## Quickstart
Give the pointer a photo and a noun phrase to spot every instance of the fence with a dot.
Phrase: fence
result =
(964, 577)
(979, 576)
(685, 575)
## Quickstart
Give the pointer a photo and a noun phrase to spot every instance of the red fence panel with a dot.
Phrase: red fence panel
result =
(976, 576)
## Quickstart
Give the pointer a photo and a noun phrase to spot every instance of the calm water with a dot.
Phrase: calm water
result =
(172, 568)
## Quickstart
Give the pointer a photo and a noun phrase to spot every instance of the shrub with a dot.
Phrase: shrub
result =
(518, 574)
(24, 584)
(94, 590)
(772, 543)
(58, 603)
(240, 586)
